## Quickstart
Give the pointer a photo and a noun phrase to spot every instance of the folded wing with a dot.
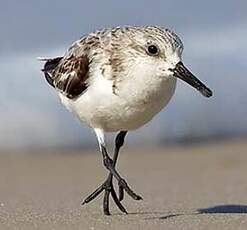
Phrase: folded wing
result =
(68, 75)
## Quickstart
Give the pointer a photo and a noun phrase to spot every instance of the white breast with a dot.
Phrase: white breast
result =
(138, 99)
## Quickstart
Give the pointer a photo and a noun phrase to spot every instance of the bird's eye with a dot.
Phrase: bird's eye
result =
(152, 50)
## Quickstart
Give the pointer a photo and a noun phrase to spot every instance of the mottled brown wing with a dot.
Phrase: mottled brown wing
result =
(70, 76)
(50, 65)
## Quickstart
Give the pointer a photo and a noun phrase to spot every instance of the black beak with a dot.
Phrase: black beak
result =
(180, 71)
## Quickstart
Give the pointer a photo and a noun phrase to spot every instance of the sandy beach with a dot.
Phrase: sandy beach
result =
(198, 187)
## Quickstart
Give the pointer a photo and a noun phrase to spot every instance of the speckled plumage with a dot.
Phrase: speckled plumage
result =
(112, 56)
(110, 45)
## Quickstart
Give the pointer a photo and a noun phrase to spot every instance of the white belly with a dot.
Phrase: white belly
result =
(133, 106)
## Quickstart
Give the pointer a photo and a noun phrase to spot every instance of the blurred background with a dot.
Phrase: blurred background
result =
(214, 34)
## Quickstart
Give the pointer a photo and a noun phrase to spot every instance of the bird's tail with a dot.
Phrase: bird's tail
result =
(49, 66)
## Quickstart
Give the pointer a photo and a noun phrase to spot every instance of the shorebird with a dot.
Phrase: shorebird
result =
(117, 80)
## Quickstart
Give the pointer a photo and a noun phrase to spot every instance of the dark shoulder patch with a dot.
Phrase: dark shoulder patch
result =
(71, 76)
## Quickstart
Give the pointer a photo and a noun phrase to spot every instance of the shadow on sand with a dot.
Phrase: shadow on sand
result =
(232, 208)
(219, 209)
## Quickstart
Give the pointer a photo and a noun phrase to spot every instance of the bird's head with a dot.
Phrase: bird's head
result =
(161, 50)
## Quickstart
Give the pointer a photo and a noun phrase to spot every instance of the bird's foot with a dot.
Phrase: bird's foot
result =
(107, 186)
(123, 186)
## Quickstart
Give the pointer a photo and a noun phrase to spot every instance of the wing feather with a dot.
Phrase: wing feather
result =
(69, 76)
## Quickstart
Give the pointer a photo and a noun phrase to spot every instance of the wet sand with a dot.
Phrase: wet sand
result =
(200, 187)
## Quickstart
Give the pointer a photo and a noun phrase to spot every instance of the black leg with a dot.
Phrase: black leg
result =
(118, 144)
(119, 141)
(108, 185)
(108, 163)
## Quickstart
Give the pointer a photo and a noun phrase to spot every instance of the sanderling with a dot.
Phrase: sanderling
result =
(116, 80)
